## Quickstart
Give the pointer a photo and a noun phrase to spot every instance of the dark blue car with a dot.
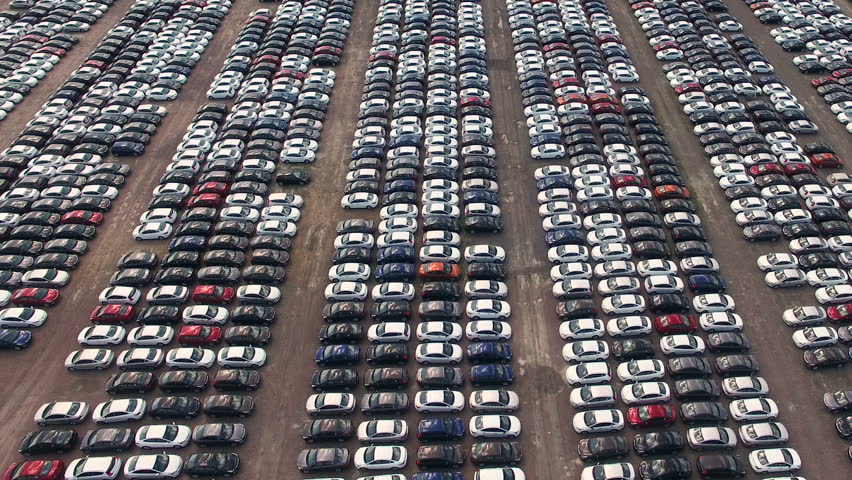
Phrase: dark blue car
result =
(337, 355)
(395, 254)
(406, 141)
(480, 196)
(364, 152)
(437, 476)
(400, 186)
(491, 374)
(556, 181)
(555, 238)
(440, 429)
(707, 283)
(395, 272)
(489, 352)
(545, 138)
(191, 243)
(14, 339)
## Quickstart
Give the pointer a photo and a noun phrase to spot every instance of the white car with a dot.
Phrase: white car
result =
(487, 330)
(814, 337)
(495, 426)
(598, 421)
(346, 291)
(774, 460)
(439, 332)
(100, 335)
(787, 278)
(582, 329)
(663, 284)
(94, 468)
(754, 409)
(609, 471)
(153, 466)
(715, 302)
(44, 277)
(382, 457)
(151, 336)
(495, 401)
(140, 359)
(121, 410)
(153, 231)
(389, 332)
(484, 254)
(382, 431)
(623, 304)
(486, 289)
(488, 310)
(241, 357)
(629, 326)
(438, 353)
(163, 436)
(349, 272)
(589, 373)
(89, 359)
(568, 253)
(592, 396)
(391, 291)
(834, 294)
(764, 433)
(711, 438)
(640, 370)
(681, 344)
(205, 315)
(439, 401)
(276, 228)
(120, 295)
(826, 277)
(645, 393)
(258, 294)
(585, 351)
(777, 261)
(22, 317)
(439, 253)
(806, 315)
(744, 387)
(330, 404)
(656, 266)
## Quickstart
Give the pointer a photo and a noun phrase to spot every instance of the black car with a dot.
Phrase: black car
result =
(138, 259)
(398, 310)
(356, 225)
(131, 277)
(696, 389)
(665, 469)
(247, 335)
(292, 176)
(253, 315)
(334, 379)
(839, 401)
(440, 456)
(327, 429)
(107, 440)
(174, 407)
(448, 291)
(384, 378)
(703, 413)
(184, 381)
(728, 342)
(496, 453)
(343, 311)
(228, 406)
(212, 464)
(219, 434)
(384, 403)
(130, 382)
(48, 441)
(762, 233)
(346, 332)
(689, 367)
(826, 357)
(387, 354)
(632, 349)
(486, 271)
(236, 380)
(658, 443)
(159, 315)
(440, 377)
(601, 448)
(720, 466)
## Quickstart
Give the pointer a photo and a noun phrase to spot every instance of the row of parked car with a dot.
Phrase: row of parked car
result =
(765, 196)
(606, 242)
(204, 324)
(821, 30)
(32, 43)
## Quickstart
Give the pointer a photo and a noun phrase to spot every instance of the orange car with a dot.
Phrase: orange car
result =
(671, 191)
(440, 271)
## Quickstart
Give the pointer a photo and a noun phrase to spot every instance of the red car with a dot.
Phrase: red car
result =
(556, 46)
(219, 188)
(843, 72)
(213, 200)
(83, 217)
(440, 271)
(688, 87)
(328, 50)
(840, 313)
(564, 82)
(112, 313)
(605, 107)
(675, 323)
(473, 100)
(35, 297)
(35, 470)
(651, 416)
(818, 82)
(442, 39)
(664, 45)
(199, 335)
(671, 191)
(765, 169)
(629, 181)
(290, 74)
(383, 56)
(796, 168)
(829, 160)
(571, 98)
(609, 38)
(212, 294)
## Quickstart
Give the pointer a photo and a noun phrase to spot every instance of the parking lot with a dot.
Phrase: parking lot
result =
(36, 375)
